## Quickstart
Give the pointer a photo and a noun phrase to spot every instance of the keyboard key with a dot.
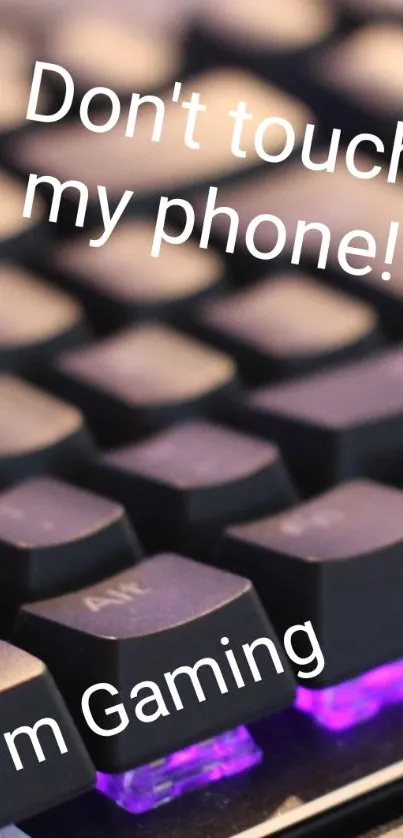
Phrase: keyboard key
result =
(56, 538)
(69, 151)
(287, 325)
(167, 613)
(121, 283)
(346, 203)
(35, 321)
(39, 433)
(144, 379)
(336, 425)
(184, 485)
(335, 561)
(101, 51)
(36, 729)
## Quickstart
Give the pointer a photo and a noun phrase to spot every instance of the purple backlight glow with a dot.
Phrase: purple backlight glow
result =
(160, 782)
(353, 702)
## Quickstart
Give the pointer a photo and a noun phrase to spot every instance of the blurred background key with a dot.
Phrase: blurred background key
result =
(182, 486)
(39, 433)
(143, 379)
(287, 325)
(36, 320)
(122, 283)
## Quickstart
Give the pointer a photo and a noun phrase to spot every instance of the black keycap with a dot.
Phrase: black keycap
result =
(55, 538)
(338, 424)
(35, 321)
(184, 485)
(336, 561)
(39, 433)
(43, 761)
(143, 625)
(287, 325)
(143, 379)
(69, 151)
(121, 282)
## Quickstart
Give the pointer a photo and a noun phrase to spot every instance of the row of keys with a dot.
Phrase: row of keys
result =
(335, 560)
(347, 419)
(341, 547)
(285, 325)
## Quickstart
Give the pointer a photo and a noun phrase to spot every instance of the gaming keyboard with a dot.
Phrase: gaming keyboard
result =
(201, 454)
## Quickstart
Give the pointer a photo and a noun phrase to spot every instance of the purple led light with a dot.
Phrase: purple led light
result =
(160, 782)
(353, 702)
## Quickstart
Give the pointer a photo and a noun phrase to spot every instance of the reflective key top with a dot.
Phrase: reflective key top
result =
(143, 379)
(184, 485)
(121, 282)
(38, 433)
(336, 425)
(43, 761)
(335, 561)
(153, 640)
(35, 320)
(287, 325)
(56, 538)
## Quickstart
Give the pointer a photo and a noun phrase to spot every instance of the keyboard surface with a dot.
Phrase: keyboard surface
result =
(201, 454)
